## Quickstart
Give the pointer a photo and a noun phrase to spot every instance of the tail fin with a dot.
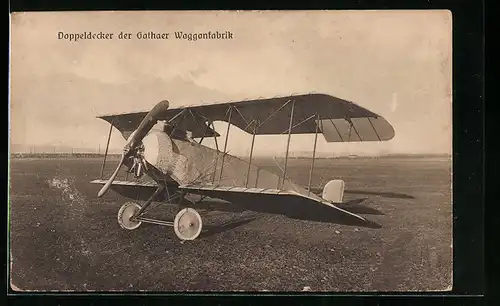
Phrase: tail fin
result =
(334, 191)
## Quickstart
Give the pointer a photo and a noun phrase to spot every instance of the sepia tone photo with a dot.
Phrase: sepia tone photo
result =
(231, 151)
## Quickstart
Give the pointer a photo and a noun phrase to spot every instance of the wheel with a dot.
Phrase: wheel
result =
(126, 212)
(187, 224)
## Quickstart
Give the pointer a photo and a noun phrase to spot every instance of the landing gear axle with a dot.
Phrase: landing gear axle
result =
(187, 223)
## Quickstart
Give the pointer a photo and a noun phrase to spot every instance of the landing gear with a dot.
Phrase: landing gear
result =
(125, 214)
(188, 224)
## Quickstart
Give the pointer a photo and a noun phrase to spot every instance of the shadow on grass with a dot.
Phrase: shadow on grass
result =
(216, 229)
(293, 207)
(355, 207)
(392, 195)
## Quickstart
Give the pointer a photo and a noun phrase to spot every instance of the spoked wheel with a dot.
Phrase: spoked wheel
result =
(127, 211)
(187, 224)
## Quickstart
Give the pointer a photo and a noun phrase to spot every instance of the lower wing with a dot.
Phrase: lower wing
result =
(273, 200)
(255, 199)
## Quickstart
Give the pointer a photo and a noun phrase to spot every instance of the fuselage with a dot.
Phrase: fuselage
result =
(188, 162)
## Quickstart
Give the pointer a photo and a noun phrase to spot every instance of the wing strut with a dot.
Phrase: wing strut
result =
(336, 129)
(217, 147)
(369, 120)
(254, 123)
(107, 147)
(205, 130)
(353, 127)
(314, 155)
(178, 123)
(288, 143)
(277, 111)
(225, 143)
(242, 117)
(301, 122)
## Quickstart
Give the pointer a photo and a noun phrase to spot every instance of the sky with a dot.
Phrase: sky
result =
(394, 63)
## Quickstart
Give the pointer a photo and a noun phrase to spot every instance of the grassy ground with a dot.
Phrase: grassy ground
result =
(64, 238)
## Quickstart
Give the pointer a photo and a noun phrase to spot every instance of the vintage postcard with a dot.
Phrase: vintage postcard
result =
(231, 151)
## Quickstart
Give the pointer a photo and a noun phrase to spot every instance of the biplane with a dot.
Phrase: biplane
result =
(165, 145)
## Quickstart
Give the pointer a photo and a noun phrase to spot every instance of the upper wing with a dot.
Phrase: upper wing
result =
(339, 120)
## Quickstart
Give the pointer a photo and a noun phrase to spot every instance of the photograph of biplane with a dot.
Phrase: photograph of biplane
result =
(171, 156)
(306, 151)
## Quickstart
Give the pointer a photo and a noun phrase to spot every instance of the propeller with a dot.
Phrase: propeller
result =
(155, 114)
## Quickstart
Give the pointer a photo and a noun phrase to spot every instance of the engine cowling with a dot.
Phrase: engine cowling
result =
(161, 152)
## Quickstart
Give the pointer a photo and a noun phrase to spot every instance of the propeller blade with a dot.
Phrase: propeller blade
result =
(145, 126)
(111, 179)
(148, 122)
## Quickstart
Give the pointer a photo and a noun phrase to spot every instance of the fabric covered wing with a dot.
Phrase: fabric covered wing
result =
(266, 200)
(152, 185)
(340, 120)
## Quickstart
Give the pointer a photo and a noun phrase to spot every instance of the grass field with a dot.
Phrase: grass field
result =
(64, 238)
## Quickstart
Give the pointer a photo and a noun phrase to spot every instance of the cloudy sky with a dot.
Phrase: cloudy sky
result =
(394, 63)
